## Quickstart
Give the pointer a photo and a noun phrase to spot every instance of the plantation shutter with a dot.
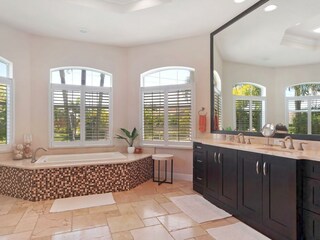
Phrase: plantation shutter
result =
(179, 116)
(257, 114)
(97, 116)
(5, 127)
(315, 116)
(218, 107)
(242, 115)
(153, 116)
(66, 110)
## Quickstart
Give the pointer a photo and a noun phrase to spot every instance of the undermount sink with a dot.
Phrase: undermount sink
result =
(230, 143)
(275, 149)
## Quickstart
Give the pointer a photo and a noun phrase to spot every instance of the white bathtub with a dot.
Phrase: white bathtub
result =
(85, 157)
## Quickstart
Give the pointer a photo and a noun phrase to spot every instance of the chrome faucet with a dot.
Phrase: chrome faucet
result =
(33, 160)
(241, 135)
(291, 142)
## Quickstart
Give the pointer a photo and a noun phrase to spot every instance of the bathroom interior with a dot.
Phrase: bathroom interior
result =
(227, 91)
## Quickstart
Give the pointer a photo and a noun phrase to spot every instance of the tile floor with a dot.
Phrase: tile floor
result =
(142, 213)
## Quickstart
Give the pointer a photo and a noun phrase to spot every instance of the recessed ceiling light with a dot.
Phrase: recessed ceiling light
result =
(317, 30)
(270, 8)
(83, 30)
(238, 1)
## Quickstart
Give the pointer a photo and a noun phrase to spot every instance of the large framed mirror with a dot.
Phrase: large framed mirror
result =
(265, 68)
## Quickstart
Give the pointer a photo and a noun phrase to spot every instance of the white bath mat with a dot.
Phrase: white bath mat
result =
(239, 231)
(73, 203)
(198, 208)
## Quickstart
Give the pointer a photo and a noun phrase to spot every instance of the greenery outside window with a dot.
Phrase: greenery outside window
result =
(6, 105)
(303, 108)
(80, 106)
(167, 106)
(249, 106)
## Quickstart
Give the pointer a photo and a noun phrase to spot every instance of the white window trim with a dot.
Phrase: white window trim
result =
(82, 89)
(189, 86)
(308, 99)
(250, 99)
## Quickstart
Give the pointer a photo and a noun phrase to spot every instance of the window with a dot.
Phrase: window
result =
(217, 102)
(303, 108)
(249, 106)
(6, 105)
(80, 107)
(167, 108)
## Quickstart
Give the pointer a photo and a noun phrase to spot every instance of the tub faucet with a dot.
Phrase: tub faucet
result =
(33, 160)
(291, 142)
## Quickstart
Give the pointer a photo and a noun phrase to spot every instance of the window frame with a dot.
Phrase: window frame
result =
(9, 81)
(261, 98)
(309, 111)
(82, 89)
(165, 89)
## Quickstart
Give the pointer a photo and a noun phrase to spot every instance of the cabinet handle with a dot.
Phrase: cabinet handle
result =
(199, 178)
(257, 167)
(199, 147)
(199, 161)
(265, 168)
(219, 158)
(215, 157)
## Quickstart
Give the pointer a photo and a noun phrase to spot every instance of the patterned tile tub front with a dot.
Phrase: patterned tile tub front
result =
(68, 181)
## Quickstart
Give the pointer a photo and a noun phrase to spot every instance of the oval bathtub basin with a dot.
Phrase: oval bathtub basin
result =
(84, 157)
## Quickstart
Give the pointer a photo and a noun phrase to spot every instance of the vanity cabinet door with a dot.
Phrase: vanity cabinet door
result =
(213, 173)
(250, 185)
(228, 176)
(280, 195)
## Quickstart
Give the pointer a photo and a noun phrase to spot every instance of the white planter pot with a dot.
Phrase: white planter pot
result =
(131, 149)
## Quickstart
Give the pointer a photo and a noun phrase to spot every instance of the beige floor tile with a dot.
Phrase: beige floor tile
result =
(126, 209)
(205, 237)
(79, 212)
(54, 223)
(17, 236)
(148, 209)
(102, 233)
(170, 207)
(153, 232)
(151, 222)
(26, 224)
(125, 197)
(162, 199)
(101, 209)
(215, 224)
(5, 208)
(10, 220)
(174, 194)
(177, 221)
(88, 221)
(122, 236)
(188, 233)
(6, 230)
(124, 223)
(232, 220)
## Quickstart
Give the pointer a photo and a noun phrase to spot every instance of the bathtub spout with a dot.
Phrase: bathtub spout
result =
(33, 160)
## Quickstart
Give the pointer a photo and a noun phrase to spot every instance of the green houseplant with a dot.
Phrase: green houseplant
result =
(129, 138)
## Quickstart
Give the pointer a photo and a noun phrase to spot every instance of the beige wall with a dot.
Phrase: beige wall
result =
(34, 56)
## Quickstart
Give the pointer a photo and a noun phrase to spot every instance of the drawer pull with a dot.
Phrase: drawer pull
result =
(199, 161)
(199, 147)
(265, 168)
(219, 158)
(215, 157)
(199, 178)
(257, 167)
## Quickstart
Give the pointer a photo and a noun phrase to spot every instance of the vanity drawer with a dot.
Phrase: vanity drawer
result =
(311, 195)
(311, 169)
(311, 225)
(198, 175)
(199, 159)
(197, 146)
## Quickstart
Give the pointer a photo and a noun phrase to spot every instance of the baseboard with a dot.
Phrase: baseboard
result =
(182, 176)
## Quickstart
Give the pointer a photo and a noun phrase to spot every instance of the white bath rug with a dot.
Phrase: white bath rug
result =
(73, 203)
(239, 231)
(198, 208)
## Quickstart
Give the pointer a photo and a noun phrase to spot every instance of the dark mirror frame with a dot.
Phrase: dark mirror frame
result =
(235, 19)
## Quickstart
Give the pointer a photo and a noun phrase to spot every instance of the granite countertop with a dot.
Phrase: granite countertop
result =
(26, 163)
(263, 149)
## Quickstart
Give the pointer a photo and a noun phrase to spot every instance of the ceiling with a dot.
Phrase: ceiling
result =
(119, 22)
(280, 38)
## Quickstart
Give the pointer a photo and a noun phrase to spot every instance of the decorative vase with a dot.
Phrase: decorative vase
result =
(131, 149)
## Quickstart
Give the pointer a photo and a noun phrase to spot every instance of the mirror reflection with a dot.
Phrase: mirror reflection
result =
(267, 69)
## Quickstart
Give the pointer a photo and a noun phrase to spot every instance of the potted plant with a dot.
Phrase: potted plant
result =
(129, 138)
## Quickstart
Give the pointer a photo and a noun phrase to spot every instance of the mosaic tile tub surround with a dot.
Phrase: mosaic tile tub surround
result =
(63, 182)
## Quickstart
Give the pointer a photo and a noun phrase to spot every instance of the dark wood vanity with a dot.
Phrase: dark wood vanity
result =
(278, 196)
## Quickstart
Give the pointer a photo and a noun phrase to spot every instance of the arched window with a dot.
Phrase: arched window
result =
(249, 106)
(80, 107)
(6, 105)
(303, 108)
(167, 106)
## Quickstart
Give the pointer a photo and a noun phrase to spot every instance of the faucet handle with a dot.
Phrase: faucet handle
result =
(301, 146)
(249, 140)
(238, 139)
(282, 143)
